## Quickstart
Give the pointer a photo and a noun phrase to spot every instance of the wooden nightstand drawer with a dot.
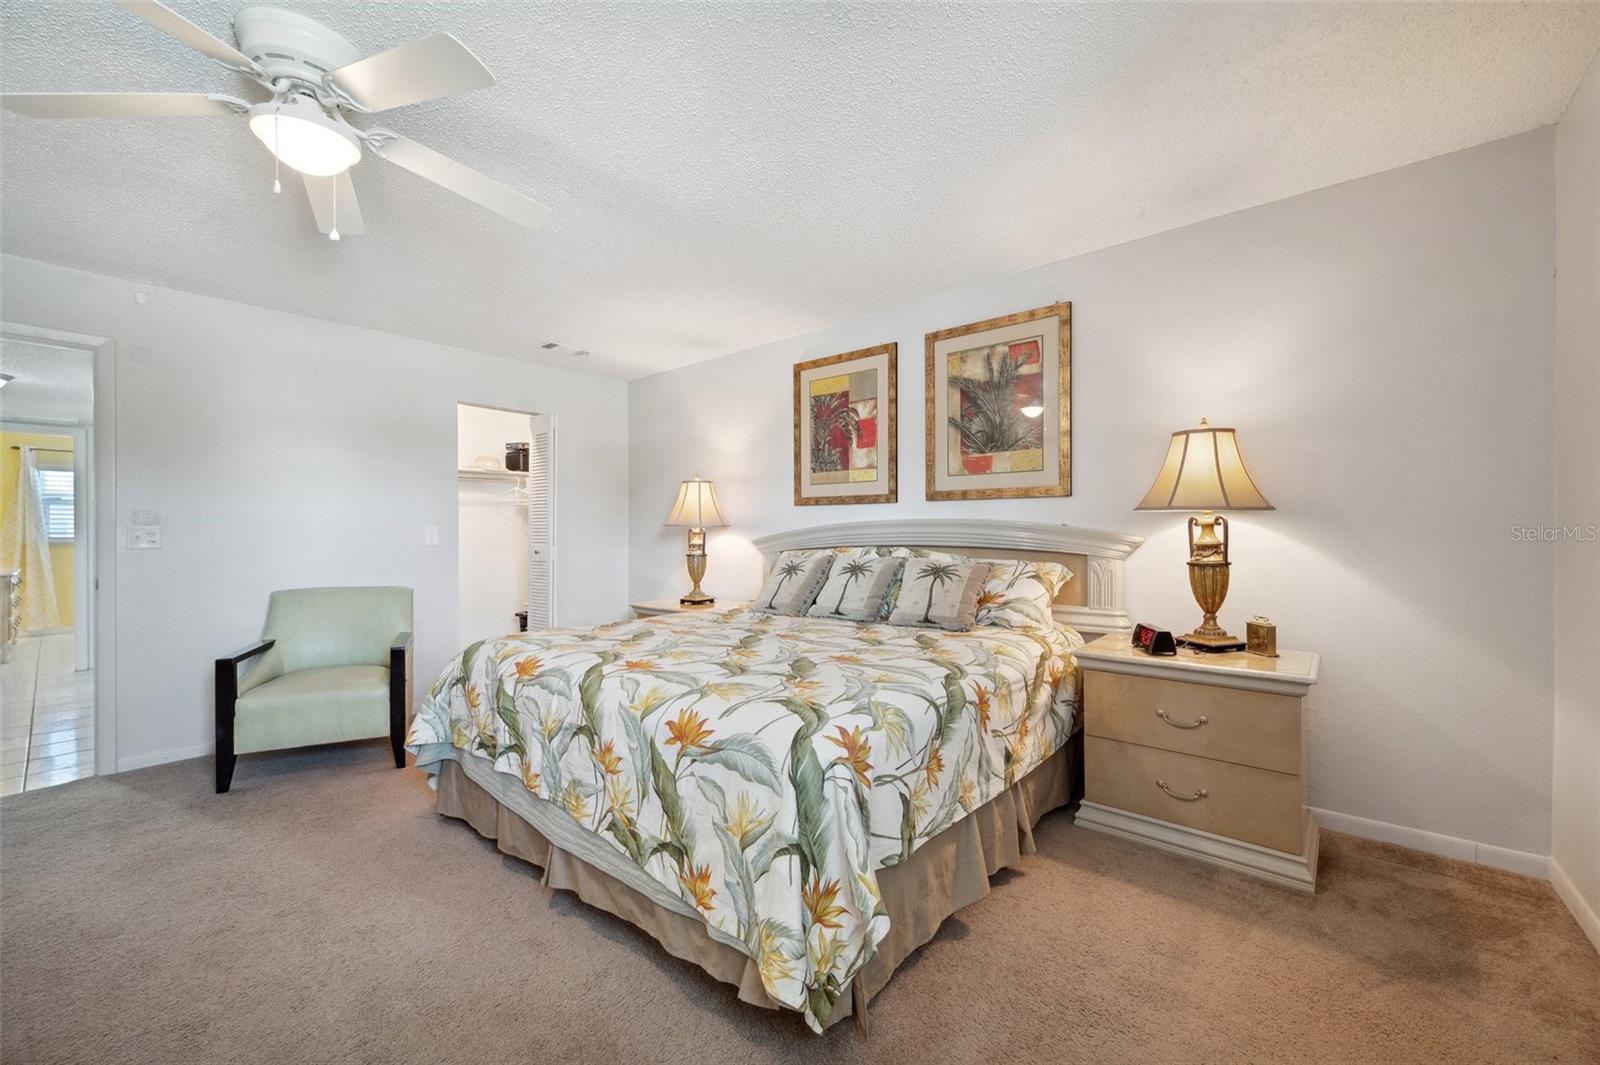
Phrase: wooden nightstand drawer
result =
(1241, 802)
(1251, 728)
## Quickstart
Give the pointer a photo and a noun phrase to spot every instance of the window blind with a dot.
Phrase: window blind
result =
(56, 493)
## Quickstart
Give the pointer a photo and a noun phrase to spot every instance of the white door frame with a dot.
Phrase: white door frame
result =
(98, 503)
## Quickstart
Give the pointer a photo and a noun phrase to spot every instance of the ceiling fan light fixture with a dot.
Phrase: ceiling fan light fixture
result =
(305, 139)
(317, 80)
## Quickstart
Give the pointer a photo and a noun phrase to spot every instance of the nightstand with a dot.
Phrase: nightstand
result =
(1201, 755)
(652, 607)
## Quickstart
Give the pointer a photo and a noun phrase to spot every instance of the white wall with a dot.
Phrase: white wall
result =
(492, 525)
(283, 451)
(1575, 829)
(1384, 347)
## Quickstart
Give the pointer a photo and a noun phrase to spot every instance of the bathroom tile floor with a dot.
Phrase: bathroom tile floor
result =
(46, 716)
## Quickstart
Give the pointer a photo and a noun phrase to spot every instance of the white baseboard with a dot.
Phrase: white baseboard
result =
(1588, 920)
(176, 754)
(1466, 850)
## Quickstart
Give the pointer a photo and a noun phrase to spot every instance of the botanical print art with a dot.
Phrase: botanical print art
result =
(844, 428)
(996, 402)
(998, 407)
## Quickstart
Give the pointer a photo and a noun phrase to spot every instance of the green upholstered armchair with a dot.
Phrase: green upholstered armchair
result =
(332, 664)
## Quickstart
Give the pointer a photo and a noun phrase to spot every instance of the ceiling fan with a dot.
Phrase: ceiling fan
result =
(316, 78)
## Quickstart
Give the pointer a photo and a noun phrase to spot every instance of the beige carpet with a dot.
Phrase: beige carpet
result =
(322, 913)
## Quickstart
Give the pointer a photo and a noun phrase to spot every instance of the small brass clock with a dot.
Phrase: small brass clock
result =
(1261, 637)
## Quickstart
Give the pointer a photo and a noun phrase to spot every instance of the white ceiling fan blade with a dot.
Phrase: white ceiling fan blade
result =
(119, 104)
(461, 180)
(427, 68)
(170, 22)
(334, 199)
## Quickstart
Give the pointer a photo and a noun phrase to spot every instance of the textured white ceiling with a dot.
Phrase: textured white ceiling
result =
(51, 383)
(725, 175)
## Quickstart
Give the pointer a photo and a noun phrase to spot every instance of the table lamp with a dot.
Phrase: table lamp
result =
(696, 508)
(1204, 471)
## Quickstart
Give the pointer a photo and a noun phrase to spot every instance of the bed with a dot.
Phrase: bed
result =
(794, 804)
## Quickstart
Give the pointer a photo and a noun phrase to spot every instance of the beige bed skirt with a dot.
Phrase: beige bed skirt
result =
(949, 871)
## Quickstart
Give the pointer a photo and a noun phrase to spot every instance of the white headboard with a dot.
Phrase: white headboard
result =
(1093, 602)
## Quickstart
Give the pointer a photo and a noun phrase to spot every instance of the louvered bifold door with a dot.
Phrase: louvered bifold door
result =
(541, 541)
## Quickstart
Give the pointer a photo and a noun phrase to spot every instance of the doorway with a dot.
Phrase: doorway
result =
(47, 565)
(505, 521)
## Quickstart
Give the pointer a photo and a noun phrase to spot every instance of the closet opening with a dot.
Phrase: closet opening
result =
(506, 521)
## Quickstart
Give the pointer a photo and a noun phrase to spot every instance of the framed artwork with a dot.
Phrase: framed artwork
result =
(999, 407)
(844, 430)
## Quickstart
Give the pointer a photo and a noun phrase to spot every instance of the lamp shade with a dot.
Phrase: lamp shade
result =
(696, 506)
(1203, 471)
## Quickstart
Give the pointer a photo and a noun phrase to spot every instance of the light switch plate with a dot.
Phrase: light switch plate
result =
(144, 537)
(430, 536)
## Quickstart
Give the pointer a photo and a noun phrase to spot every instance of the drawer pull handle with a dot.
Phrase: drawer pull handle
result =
(1201, 794)
(1196, 723)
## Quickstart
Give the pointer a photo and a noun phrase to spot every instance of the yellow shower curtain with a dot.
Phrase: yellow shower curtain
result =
(24, 546)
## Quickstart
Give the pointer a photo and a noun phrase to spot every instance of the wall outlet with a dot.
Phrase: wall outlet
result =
(430, 536)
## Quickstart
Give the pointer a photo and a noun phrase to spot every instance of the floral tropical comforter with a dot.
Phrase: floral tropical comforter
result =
(762, 767)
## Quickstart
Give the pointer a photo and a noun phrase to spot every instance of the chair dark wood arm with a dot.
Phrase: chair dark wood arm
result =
(399, 695)
(227, 695)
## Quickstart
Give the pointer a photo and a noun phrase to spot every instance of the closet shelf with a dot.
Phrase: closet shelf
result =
(489, 475)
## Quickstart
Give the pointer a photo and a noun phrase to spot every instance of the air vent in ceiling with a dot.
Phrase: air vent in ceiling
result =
(562, 349)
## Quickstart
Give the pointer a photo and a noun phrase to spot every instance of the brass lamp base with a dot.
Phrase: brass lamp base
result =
(696, 559)
(1208, 580)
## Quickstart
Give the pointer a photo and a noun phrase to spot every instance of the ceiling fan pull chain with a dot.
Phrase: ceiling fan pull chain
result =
(333, 194)
(277, 186)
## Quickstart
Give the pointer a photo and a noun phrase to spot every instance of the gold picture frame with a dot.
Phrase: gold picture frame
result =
(839, 395)
(956, 463)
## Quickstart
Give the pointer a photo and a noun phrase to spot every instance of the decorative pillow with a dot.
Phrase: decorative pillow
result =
(869, 552)
(939, 593)
(856, 587)
(793, 583)
(892, 591)
(796, 554)
(839, 553)
(1017, 595)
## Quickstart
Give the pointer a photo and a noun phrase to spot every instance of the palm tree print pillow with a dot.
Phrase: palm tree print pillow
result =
(793, 583)
(892, 592)
(939, 593)
(856, 587)
(1017, 595)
